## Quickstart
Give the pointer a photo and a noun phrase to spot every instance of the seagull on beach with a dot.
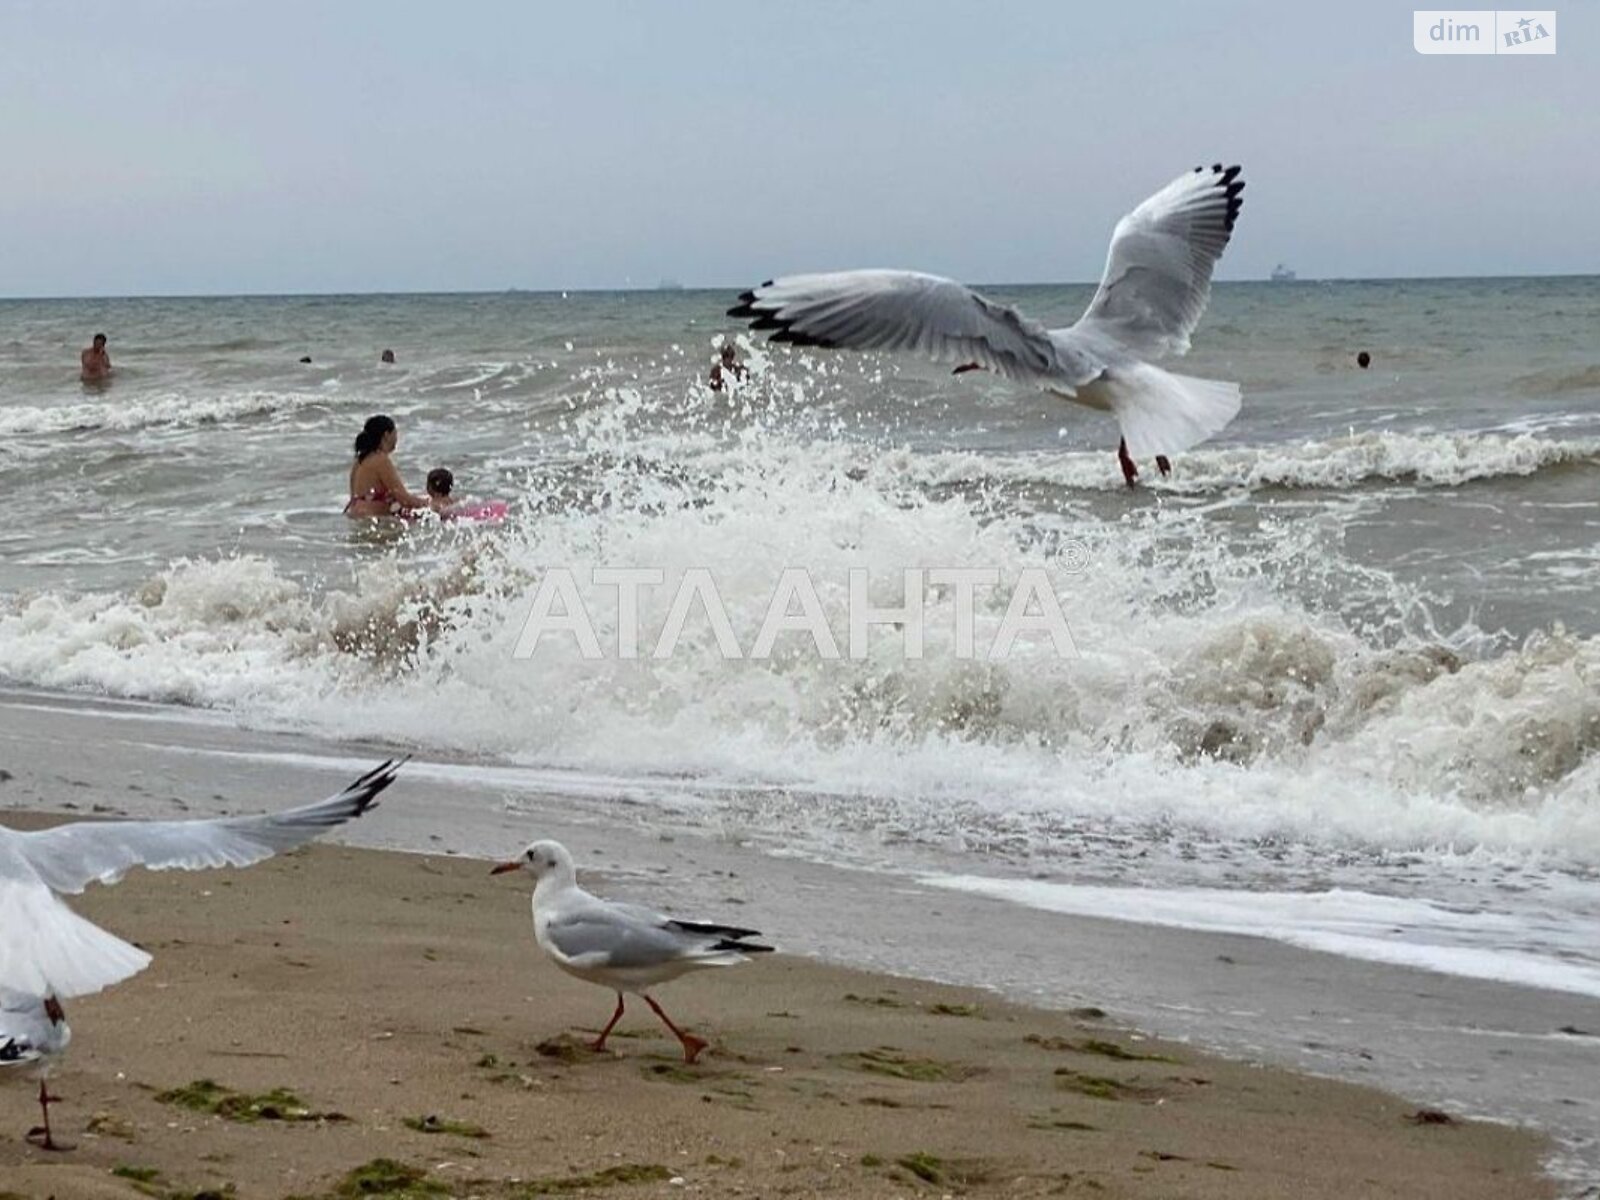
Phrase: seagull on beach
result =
(1156, 284)
(624, 947)
(48, 952)
(33, 1033)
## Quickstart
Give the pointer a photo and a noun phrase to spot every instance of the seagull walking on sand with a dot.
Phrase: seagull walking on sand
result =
(624, 947)
(1156, 284)
(33, 1033)
(48, 952)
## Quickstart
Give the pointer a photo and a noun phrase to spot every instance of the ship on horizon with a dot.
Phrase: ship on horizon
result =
(1282, 274)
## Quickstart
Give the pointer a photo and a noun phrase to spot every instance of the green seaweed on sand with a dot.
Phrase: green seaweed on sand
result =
(875, 1001)
(278, 1104)
(1096, 1046)
(943, 1172)
(386, 1177)
(1097, 1087)
(623, 1173)
(382, 1177)
(147, 1181)
(1121, 1053)
(924, 1166)
(886, 1060)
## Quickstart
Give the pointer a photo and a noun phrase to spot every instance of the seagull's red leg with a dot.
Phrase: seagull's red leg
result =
(1129, 471)
(965, 367)
(40, 1136)
(1164, 465)
(600, 1042)
(691, 1044)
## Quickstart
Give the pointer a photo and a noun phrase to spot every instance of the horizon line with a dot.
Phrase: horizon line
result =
(673, 286)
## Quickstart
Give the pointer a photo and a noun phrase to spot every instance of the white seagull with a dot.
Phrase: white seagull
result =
(624, 947)
(48, 952)
(1156, 284)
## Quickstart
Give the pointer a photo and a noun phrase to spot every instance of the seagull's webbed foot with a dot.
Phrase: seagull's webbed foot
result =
(1164, 465)
(40, 1136)
(1130, 473)
(691, 1044)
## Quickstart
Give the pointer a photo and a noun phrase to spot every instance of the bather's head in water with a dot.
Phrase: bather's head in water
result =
(440, 483)
(377, 434)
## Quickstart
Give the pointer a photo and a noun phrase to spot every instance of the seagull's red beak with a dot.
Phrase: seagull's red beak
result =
(507, 866)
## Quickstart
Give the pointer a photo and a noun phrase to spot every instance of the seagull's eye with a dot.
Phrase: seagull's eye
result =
(532, 857)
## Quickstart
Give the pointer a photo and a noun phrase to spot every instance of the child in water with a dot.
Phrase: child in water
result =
(449, 507)
(440, 482)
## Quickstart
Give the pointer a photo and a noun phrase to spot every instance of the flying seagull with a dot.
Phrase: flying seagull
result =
(48, 952)
(624, 947)
(1156, 284)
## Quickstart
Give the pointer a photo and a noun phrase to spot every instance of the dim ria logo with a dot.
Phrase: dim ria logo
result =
(1483, 31)
(1024, 609)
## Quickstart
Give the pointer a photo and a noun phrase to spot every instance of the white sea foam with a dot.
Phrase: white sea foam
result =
(145, 411)
(1422, 459)
(1208, 690)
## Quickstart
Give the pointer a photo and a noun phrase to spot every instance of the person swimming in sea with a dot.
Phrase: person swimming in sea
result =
(376, 489)
(727, 369)
(94, 363)
(440, 482)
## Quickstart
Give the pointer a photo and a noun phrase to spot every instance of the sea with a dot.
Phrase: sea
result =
(1334, 683)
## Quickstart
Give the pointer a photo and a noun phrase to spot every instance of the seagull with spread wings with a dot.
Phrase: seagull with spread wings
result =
(1156, 284)
(48, 952)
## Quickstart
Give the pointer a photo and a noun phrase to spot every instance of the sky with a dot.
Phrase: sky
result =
(161, 147)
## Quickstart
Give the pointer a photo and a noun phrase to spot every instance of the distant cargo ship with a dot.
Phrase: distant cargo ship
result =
(1282, 274)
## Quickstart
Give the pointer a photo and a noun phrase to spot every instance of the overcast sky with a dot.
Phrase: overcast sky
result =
(168, 146)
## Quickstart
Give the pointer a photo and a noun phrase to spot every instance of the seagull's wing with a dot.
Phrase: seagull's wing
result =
(15, 1052)
(1158, 271)
(906, 310)
(70, 857)
(590, 932)
(594, 937)
(47, 948)
(678, 925)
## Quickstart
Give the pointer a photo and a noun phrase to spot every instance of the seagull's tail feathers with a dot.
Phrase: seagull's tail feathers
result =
(1163, 413)
(707, 927)
(46, 948)
(734, 947)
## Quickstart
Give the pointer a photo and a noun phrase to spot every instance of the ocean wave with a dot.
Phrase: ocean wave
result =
(1226, 707)
(1559, 381)
(1204, 687)
(1421, 459)
(141, 412)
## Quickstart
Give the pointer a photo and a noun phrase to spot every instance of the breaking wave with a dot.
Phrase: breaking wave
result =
(1205, 686)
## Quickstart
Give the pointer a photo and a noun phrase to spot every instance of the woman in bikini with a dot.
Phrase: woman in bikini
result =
(375, 486)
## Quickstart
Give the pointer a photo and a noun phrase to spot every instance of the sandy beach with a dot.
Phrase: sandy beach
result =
(401, 1003)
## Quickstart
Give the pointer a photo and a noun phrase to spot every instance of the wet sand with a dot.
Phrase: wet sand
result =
(401, 1000)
